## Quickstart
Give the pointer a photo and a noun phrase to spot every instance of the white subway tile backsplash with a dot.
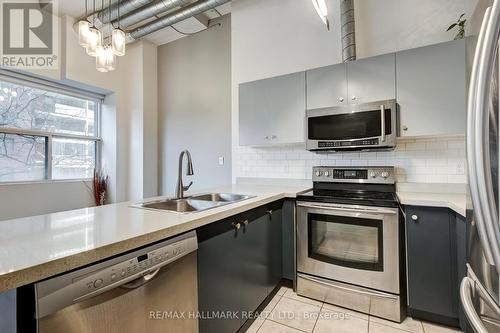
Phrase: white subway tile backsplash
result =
(425, 160)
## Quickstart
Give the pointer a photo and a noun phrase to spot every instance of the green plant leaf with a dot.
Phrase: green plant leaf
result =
(461, 16)
(451, 27)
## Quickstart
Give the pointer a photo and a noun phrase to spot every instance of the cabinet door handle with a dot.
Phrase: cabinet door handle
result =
(245, 223)
(353, 98)
(270, 212)
(237, 226)
(405, 128)
(341, 99)
(414, 218)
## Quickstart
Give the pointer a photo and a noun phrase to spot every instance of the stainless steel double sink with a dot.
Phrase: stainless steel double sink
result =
(193, 204)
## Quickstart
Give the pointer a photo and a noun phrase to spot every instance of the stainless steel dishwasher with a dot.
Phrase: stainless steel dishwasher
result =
(153, 289)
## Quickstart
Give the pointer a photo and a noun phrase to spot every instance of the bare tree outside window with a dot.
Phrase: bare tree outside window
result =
(65, 119)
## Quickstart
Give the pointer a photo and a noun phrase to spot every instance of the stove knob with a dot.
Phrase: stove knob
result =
(373, 174)
(384, 174)
(319, 173)
(327, 173)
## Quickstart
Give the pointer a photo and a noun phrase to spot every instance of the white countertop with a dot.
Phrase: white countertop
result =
(433, 195)
(38, 247)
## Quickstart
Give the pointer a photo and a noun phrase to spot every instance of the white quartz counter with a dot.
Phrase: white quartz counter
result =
(433, 195)
(38, 247)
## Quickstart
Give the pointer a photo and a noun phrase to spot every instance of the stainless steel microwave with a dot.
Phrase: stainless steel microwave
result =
(354, 127)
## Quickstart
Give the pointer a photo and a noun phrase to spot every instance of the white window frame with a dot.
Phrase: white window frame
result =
(29, 81)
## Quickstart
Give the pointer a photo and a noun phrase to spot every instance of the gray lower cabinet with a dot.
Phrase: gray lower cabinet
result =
(431, 89)
(371, 79)
(238, 268)
(435, 263)
(271, 111)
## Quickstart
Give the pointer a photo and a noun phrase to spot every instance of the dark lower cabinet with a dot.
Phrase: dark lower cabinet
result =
(238, 268)
(436, 262)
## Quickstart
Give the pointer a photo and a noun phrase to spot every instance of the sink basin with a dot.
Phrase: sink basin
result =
(195, 203)
(221, 197)
(180, 205)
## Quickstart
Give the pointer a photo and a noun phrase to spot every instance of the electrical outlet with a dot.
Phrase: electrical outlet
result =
(461, 168)
(221, 160)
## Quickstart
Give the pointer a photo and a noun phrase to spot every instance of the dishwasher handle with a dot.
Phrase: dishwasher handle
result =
(140, 281)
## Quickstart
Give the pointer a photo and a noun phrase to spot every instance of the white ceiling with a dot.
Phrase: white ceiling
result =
(76, 8)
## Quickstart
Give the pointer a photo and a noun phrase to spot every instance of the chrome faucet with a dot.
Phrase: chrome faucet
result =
(179, 191)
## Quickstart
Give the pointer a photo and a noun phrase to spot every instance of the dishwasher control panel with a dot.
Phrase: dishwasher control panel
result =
(130, 269)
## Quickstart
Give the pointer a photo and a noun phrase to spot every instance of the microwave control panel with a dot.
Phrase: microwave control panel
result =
(348, 143)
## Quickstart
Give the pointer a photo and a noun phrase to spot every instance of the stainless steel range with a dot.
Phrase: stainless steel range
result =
(349, 241)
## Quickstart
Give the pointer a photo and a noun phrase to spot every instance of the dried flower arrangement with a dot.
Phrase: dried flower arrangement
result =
(100, 187)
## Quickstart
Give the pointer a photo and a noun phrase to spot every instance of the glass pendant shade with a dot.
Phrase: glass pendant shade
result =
(83, 33)
(95, 40)
(118, 42)
(101, 59)
(110, 59)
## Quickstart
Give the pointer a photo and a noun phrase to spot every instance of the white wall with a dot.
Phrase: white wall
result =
(274, 37)
(195, 107)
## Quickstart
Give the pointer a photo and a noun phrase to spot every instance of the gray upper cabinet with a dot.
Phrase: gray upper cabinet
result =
(431, 89)
(272, 111)
(326, 86)
(371, 79)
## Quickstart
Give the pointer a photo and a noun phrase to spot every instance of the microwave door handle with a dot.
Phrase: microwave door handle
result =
(382, 121)
(484, 183)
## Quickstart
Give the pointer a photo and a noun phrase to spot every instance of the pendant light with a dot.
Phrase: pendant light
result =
(110, 58)
(95, 38)
(84, 29)
(118, 38)
(100, 59)
(322, 10)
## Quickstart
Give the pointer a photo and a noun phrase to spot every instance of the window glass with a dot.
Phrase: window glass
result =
(72, 159)
(22, 157)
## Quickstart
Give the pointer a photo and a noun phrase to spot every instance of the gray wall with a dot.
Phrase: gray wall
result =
(194, 96)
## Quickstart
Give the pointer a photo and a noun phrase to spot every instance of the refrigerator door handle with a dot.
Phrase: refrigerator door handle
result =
(466, 296)
(472, 143)
(483, 159)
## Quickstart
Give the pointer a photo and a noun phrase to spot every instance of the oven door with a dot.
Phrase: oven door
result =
(352, 244)
(364, 126)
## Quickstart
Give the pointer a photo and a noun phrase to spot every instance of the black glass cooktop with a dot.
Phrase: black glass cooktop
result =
(356, 197)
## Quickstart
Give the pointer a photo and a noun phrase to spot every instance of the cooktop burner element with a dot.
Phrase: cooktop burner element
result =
(371, 186)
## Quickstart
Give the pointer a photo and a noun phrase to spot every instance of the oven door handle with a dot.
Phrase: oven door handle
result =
(357, 291)
(347, 209)
(382, 122)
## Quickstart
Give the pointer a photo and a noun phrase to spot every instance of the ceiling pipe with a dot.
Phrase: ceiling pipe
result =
(120, 8)
(179, 15)
(348, 30)
(154, 8)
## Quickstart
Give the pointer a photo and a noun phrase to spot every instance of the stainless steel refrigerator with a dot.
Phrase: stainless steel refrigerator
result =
(479, 290)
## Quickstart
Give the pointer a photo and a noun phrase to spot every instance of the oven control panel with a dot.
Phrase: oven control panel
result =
(368, 175)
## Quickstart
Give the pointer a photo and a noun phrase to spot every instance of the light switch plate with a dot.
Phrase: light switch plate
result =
(221, 160)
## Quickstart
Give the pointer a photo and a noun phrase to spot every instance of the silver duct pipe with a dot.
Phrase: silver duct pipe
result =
(154, 8)
(347, 30)
(182, 14)
(121, 7)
